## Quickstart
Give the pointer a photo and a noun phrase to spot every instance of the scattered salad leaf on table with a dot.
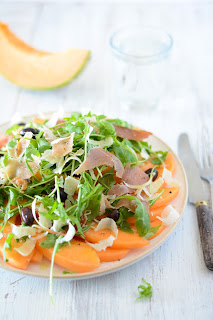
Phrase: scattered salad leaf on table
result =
(144, 290)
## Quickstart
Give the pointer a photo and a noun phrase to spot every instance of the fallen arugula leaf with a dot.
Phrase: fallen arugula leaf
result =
(144, 291)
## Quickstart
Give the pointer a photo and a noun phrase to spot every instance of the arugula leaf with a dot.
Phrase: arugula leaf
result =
(108, 179)
(152, 231)
(1, 200)
(125, 154)
(31, 150)
(11, 129)
(142, 217)
(151, 202)
(122, 223)
(43, 145)
(7, 245)
(67, 272)
(105, 128)
(55, 250)
(11, 144)
(144, 291)
(49, 242)
(120, 123)
(159, 159)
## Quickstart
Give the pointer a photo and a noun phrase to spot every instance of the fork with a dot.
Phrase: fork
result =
(206, 158)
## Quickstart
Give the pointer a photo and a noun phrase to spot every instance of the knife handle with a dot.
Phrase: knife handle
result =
(205, 224)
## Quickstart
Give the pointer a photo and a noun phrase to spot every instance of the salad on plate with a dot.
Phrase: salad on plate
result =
(81, 191)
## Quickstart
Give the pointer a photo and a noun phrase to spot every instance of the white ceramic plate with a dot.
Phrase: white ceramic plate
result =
(42, 270)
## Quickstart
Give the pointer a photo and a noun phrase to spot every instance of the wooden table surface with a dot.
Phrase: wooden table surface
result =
(182, 286)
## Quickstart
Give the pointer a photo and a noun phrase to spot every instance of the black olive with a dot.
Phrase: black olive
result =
(76, 175)
(23, 131)
(114, 214)
(154, 173)
(27, 216)
(63, 194)
(21, 124)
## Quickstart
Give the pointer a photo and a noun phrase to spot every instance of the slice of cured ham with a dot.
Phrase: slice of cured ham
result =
(131, 134)
(119, 190)
(134, 175)
(99, 157)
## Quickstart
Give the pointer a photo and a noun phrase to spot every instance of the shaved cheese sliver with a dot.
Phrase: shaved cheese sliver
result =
(102, 204)
(70, 185)
(169, 215)
(62, 162)
(40, 236)
(62, 146)
(1, 235)
(103, 244)
(155, 186)
(36, 159)
(69, 235)
(27, 247)
(21, 231)
(167, 176)
(48, 156)
(55, 117)
(44, 222)
(49, 135)
(144, 154)
(58, 224)
(107, 142)
(107, 223)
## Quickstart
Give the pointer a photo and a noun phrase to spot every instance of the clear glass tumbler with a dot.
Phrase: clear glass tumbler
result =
(140, 54)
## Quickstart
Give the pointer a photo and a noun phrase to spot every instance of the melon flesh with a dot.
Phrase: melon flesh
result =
(33, 69)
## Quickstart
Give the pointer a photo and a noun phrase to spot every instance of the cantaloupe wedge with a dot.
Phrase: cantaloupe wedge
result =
(38, 70)
(37, 256)
(14, 258)
(168, 195)
(169, 163)
(124, 240)
(155, 224)
(79, 257)
(112, 254)
(153, 214)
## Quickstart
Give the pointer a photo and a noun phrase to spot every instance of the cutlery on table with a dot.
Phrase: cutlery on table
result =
(197, 195)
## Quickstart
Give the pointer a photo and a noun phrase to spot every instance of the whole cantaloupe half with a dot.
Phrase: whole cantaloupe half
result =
(32, 69)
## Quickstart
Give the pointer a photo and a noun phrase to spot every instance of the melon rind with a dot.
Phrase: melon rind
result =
(37, 70)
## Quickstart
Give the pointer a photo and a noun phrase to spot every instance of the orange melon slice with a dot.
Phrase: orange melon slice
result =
(33, 69)
(79, 257)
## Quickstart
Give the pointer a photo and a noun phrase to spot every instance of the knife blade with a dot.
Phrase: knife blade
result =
(186, 155)
(197, 197)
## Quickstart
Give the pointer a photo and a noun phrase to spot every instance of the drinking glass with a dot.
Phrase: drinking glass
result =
(140, 56)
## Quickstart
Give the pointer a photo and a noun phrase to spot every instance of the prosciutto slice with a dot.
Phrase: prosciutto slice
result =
(98, 157)
(134, 175)
(119, 190)
(131, 134)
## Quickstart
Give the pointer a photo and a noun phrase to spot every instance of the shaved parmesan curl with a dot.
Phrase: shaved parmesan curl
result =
(105, 223)
(26, 248)
(62, 146)
(98, 157)
(134, 175)
(169, 215)
(131, 134)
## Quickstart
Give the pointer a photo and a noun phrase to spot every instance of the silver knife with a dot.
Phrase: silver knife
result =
(198, 198)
